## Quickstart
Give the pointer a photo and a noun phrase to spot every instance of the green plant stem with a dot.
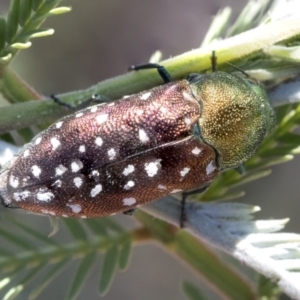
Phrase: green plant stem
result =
(141, 235)
(198, 60)
(222, 279)
(14, 88)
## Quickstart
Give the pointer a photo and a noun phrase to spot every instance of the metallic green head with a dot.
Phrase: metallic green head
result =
(236, 115)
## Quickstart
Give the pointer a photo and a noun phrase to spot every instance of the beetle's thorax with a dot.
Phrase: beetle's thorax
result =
(234, 118)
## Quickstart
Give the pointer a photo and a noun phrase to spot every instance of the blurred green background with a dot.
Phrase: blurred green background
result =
(100, 39)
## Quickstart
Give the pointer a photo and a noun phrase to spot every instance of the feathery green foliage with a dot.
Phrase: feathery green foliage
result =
(22, 24)
(34, 252)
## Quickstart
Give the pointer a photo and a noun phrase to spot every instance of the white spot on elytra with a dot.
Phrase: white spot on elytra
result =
(44, 196)
(38, 140)
(129, 169)
(143, 136)
(96, 190)
(76, 208)
(21, 196)
(102, 118)
(98, 141)
(13, 181)
(76, 165)
(111, 153)
(55, 143)
(126, 96)
(163, 109)
(57, 183)
(210, 167)
(129, 185)
(58, 124)
(94, 173)
(26, 153)
(82, 148)
(145, 96)
(184, 171)
(48, 212)
(152, 167)
(187, 121)
(60, 170)
(175, 191)
(36, 171)
(196, 151)
(78, 182)
(94, 109)
(139, 112)
(162, 187)
(79, 115)
(129, 201)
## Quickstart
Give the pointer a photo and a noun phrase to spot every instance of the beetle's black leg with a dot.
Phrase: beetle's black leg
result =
(183, 216)
(162, 71)
(213, 59)
(61, 103)
(95, 98)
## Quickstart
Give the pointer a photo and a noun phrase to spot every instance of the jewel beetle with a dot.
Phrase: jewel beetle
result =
(113, 157)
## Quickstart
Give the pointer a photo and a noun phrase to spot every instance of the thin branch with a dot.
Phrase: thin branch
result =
(258, 39)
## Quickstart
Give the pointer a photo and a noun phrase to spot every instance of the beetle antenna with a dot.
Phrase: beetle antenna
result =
(238, 69)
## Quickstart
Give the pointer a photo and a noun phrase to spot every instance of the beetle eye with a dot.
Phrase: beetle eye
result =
(193, 77)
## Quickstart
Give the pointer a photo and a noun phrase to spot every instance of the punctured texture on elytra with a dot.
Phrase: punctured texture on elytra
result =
(114, 157)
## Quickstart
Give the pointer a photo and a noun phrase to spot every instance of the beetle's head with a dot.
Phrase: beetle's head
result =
(235, 115)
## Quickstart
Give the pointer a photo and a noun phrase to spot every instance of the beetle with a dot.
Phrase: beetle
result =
(113, 157)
